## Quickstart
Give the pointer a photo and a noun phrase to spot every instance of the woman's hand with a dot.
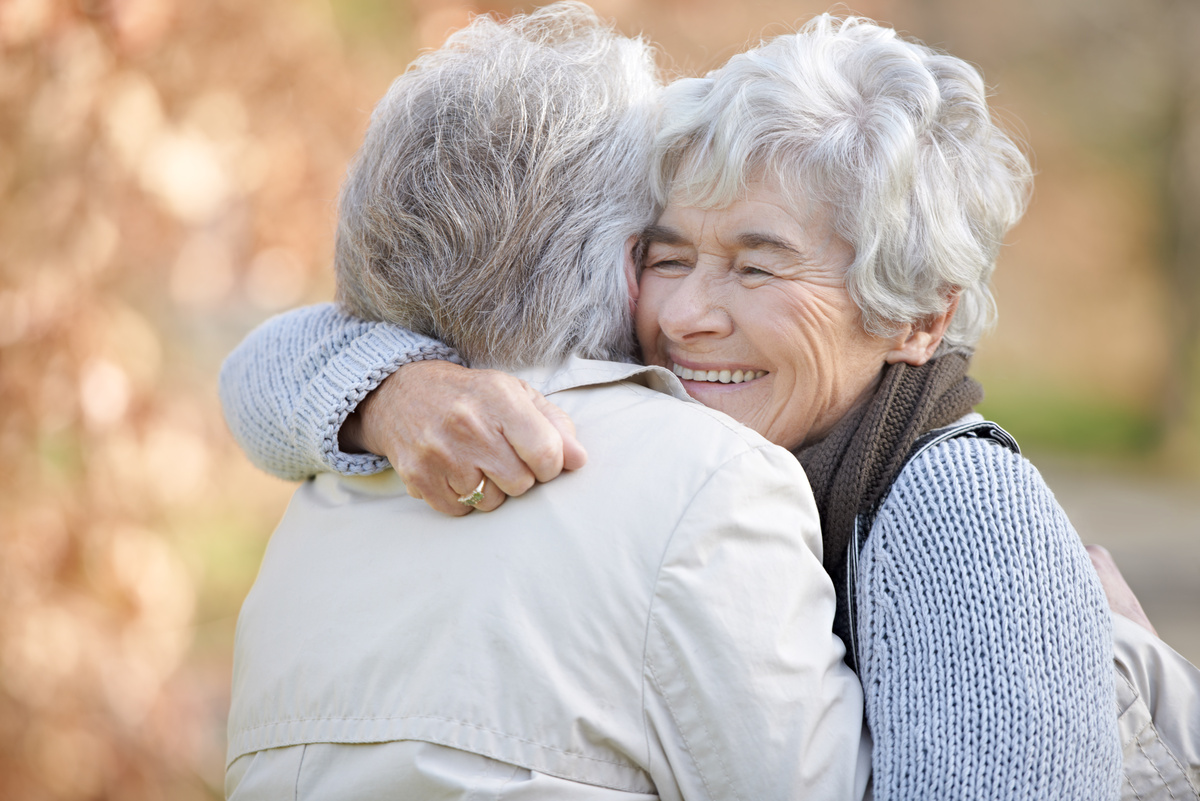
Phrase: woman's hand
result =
(1120, 596)
(445, 427)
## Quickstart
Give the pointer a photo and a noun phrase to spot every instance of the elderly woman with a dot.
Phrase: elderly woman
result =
(833, 203)
(386, 651)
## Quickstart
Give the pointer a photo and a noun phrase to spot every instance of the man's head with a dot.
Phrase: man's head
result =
(497, 186)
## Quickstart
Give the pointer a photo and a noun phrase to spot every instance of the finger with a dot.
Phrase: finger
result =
(448, 504)
(534, 439)
(496, 460)
(493, 497)
(508, 475)
(439, 496)
(574, 455)
(430, 477)
(1106, 567)
(1099, 553)
(1121, 597)
(483, 496)
(470, 444)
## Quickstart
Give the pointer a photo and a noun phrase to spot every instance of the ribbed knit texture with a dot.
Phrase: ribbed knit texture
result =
(986, 639)
(986, 651)
(289, 386)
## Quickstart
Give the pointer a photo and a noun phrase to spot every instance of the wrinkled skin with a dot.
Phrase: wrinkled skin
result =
(758, 288)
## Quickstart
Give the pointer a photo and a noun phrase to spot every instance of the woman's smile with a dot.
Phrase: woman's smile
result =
(715, 375)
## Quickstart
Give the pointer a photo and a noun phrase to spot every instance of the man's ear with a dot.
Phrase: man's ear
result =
(631, 273)
(918, 344)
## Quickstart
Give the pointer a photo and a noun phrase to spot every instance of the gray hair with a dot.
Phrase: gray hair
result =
(895, 138)
(498, 183)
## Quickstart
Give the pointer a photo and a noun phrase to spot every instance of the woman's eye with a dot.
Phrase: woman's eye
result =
(668, 266)
(755, 272)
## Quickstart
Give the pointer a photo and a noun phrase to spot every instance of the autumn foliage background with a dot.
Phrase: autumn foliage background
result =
(168, 179)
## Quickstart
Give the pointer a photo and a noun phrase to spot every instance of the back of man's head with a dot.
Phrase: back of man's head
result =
(498, 183)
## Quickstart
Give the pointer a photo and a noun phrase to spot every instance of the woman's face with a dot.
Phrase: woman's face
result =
(747, 305)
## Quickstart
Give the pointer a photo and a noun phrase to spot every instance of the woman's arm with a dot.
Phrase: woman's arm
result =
(289, 386)
(318, 390)
(986, 639)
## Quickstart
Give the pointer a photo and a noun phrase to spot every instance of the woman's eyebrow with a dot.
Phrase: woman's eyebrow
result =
(663, 235)
(758, 241)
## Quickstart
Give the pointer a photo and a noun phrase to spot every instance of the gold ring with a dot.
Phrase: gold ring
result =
(475, 497)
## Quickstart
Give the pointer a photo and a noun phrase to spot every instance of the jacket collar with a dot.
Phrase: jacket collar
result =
(575, 372)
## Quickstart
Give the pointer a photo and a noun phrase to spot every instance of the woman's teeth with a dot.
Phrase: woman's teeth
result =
(718, 376)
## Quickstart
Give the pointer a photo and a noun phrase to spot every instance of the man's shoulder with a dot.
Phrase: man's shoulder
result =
(659, 425)
(640, 398)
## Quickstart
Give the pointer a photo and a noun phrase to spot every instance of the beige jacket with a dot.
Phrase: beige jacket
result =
(657, 624)
(1158, 698)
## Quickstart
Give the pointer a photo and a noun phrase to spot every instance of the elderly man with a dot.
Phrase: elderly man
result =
(656, 626)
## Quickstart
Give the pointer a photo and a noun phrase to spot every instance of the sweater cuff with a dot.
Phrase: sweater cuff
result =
(335, 392)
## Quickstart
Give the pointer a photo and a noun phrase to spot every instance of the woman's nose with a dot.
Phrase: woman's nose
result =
(695, 309)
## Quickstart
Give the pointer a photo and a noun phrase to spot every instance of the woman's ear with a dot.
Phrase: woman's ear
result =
(917, 345)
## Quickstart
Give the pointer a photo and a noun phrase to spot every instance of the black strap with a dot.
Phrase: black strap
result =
(845, 620)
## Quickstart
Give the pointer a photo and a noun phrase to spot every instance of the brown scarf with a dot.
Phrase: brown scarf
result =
(859, 458)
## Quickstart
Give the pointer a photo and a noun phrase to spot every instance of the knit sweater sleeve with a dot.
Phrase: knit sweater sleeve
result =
(292, 382)
(986, 644)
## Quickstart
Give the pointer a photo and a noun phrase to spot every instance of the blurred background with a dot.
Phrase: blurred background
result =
(168, 179)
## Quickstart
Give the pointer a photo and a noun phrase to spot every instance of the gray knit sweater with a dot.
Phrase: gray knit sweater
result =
(986, 640)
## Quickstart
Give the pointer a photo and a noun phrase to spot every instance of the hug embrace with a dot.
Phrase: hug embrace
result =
(689, 498)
